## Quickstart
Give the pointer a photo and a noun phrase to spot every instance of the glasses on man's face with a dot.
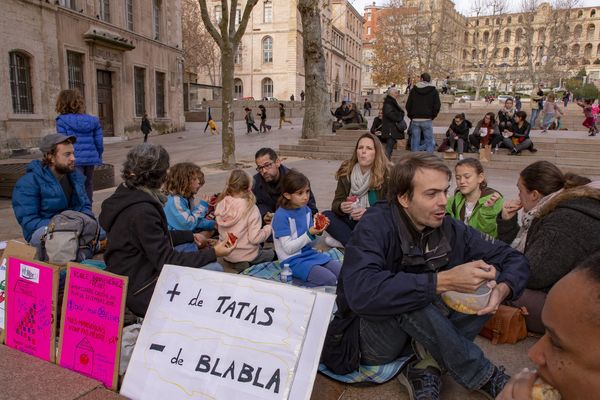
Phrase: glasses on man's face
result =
(264, 166)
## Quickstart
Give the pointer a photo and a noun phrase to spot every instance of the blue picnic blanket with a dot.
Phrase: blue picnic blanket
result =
(369, 373)
(271, 270)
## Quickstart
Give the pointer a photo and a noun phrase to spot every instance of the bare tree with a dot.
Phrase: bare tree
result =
(486, 37)
(199, 49)
(317, 118)
(545, 54)
(227, 38)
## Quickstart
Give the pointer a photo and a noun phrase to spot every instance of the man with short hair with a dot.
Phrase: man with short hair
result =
(367, 107)
(537, 103)
(267, 183)
(422, 107)
(402, 255)
(567, 357)
(49, 187)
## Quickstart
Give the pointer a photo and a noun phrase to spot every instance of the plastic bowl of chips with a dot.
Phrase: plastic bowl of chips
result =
(468, 303)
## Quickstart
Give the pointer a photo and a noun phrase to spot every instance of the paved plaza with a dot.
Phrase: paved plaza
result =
(202, 148)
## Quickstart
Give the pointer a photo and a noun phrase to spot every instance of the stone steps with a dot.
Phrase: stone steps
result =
(578, 155)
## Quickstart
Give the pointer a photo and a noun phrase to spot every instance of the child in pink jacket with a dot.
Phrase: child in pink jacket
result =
(237, 213)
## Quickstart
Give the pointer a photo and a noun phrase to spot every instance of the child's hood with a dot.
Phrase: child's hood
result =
(230, 211)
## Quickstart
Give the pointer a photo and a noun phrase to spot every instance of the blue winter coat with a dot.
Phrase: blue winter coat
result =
(89, 145)
(38, 196)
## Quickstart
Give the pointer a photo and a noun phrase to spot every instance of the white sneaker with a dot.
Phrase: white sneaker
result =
(461, 157)
(449, 150)
(331, 242)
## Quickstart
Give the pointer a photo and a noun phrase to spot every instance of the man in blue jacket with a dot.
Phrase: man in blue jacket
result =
(49, 187)
(402, 255)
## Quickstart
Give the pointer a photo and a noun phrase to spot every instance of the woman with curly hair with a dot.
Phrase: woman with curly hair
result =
(72, 120)
(139, 240)
(362, 180)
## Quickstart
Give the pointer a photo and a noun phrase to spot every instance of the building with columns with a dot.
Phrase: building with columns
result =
(123, 56)
(269, 62)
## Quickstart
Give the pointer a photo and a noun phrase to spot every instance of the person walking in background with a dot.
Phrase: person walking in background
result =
(146, 127)
(263, 119)
(367, 107)
(422, 107)
(566, 98)
(89, 146)
(302, 95)
(249, 121)
(537, 103)
(292, 98)
(282, 115)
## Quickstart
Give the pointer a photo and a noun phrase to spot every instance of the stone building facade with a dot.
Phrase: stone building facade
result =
(124, 57)
(270, 63)
(562, 41)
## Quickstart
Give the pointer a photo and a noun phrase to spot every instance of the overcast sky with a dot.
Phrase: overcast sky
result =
(461, 5)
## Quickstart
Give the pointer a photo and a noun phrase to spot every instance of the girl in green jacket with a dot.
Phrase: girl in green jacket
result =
(473, 202)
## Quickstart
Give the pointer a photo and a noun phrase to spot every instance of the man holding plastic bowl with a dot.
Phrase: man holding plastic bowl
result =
(401, 257)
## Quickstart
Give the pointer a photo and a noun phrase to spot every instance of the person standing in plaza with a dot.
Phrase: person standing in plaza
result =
(537, 103)
(146, 127)
(393, 121)
(89, 146)
(423, 106)
(367, 107)
(302, 95)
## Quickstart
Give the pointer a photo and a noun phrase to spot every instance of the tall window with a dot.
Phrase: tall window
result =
(75, 70)
(237, 58)
(238, 88)
(105, 10)
(140, 91)
(160, 94)
(156, 18)
(129, 13)
(267, 88)
(20, 83)
(218, 14)
(267, 48)
(268, 12)
(68, 4)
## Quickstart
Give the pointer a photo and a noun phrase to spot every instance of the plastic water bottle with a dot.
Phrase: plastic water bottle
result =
(286, 274)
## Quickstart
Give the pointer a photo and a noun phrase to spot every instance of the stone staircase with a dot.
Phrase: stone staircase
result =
(577, 155)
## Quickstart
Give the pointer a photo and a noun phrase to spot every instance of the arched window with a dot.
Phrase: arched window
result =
(592, 13)
(267, 87)
(575, 50)
(591, 29)
(486, 37)
(505, 52)
(509, 20)
(238, 88)
(577, 32)
(587, 50)
(507, 34)
(464, 53)
(598, 51)
(518, 35)
(580, 14)
(474, 55)
(267, 49)
(542, 35)
(487, 21)
(20, 82)
(517, 53)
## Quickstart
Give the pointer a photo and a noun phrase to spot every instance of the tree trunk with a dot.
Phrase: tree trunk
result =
(228, 132)
(317, 117)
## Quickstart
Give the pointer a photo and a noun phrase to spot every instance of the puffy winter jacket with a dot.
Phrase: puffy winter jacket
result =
(38, 196)
(89, 145)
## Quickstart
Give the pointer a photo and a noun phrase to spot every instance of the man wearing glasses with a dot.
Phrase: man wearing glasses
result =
(267, 187)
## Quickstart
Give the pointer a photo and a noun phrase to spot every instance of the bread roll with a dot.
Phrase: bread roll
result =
(543, 391)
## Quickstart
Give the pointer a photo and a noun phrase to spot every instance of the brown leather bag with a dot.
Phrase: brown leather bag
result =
(506, 326)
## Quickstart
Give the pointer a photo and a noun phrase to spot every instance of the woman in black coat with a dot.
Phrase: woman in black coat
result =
(393, 125)
(458, 133)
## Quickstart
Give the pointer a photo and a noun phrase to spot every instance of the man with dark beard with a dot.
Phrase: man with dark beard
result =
(49, 187)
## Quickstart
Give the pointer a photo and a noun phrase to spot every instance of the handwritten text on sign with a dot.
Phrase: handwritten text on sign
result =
(210, 335)
(31, 307)
(91, 323)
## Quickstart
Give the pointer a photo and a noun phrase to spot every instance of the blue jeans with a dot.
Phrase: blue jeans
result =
(447, 335)
(534, 114)
(340, 228)
(416, 129)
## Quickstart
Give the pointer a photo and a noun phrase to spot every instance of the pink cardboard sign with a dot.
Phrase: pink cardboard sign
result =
(31, 291)
(91, 323)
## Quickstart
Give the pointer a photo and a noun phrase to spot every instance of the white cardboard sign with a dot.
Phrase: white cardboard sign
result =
(211, 335)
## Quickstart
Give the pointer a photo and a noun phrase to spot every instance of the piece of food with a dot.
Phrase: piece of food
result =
(321, 221)
(352, 198)
(543, 391)
(232, 238)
